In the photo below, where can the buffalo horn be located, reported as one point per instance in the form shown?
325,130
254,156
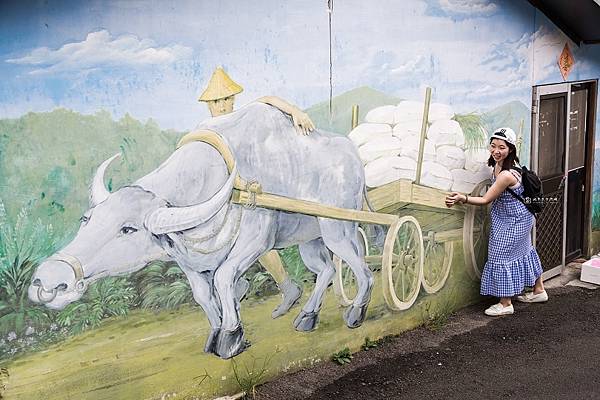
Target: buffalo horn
174,219
98,192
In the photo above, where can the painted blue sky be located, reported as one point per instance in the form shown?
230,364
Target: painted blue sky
153,58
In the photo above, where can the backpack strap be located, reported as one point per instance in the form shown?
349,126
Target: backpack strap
520,199
518,171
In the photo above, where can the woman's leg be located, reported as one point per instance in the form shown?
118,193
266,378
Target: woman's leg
504,307
538,295
539,286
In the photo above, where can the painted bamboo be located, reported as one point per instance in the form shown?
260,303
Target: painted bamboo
423,133
354,116
520,136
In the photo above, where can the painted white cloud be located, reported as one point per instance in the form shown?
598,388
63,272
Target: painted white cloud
419,63
100,49
548,43
532,59
443,48
466,74
510,59
437,43
461,9
473,7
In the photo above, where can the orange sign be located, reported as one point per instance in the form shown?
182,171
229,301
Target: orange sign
566,61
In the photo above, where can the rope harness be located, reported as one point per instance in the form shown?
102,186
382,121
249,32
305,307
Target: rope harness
253,187
194,243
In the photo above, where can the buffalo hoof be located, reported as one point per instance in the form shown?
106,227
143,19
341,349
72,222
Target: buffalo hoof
209,347
241,288
291,294
229,344
306,321
355,315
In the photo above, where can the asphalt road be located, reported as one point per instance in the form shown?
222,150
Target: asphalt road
543,351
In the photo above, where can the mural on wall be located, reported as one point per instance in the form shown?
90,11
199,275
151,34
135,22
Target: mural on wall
251,213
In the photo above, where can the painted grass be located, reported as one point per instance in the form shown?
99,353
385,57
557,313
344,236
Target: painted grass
148,355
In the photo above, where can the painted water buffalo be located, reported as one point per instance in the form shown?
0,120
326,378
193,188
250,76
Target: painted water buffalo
182,211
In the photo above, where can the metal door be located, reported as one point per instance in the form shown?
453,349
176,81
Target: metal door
548,145
561,143
578,135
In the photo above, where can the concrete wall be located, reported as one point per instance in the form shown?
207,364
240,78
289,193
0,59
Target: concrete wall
84,80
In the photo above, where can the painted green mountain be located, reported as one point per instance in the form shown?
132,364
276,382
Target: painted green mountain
510,115
47,160
341,118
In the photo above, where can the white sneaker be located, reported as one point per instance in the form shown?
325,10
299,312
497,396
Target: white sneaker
533,298
498,309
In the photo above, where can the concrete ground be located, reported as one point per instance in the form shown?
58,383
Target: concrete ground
544,351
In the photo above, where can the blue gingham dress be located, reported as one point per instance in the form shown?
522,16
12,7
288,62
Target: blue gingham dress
512,262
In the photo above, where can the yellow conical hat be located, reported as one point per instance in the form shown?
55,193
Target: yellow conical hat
220,86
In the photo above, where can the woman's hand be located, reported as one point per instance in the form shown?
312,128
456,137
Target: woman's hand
454,198
302,122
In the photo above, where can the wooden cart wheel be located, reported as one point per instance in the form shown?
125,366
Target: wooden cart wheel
476,230
344,282
438,259
402,264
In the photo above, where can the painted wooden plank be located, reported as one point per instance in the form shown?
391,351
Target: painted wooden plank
283,203
389,196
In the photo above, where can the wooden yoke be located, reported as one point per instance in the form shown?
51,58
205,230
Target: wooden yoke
218,142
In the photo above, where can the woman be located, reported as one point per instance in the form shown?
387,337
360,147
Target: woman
512,262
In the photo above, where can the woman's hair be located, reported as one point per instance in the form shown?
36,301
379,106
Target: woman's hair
511,160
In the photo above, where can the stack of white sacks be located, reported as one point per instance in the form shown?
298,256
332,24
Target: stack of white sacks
388,144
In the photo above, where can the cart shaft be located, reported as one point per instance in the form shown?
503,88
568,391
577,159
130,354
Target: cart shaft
283,203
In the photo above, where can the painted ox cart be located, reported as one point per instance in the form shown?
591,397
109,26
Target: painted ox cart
411,258
414,257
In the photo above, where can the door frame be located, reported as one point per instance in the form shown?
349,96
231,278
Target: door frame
565,88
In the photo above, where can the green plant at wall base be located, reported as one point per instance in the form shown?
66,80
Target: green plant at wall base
342,357
4,375
22,245
369,344
105,298
473,129
435,320
248,376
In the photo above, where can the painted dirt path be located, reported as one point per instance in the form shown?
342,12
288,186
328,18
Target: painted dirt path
544,351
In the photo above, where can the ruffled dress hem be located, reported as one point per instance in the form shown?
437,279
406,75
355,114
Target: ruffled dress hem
509,279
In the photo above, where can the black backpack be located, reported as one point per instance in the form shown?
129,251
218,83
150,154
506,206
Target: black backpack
533,195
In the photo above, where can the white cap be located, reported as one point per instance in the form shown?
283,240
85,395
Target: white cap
505,134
